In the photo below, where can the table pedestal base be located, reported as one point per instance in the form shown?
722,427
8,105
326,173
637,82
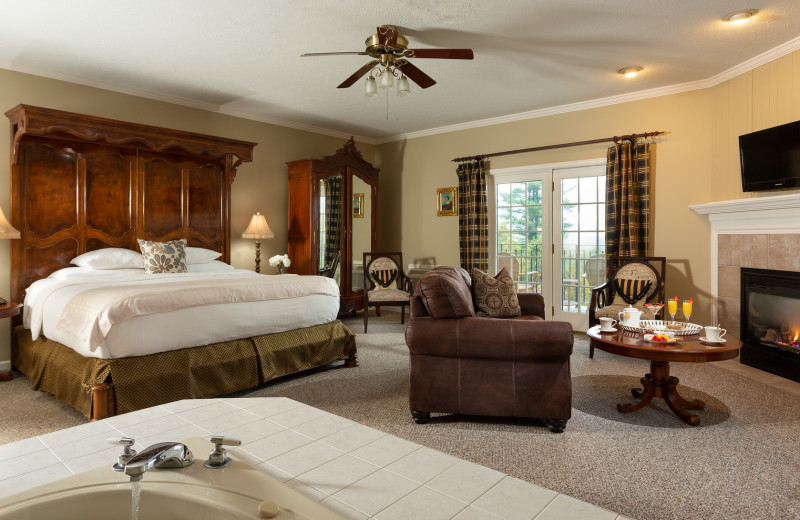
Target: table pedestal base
658,383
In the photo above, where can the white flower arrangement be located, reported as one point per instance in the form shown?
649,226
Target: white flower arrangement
280,263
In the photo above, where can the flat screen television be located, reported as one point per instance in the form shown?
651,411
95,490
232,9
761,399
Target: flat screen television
770,158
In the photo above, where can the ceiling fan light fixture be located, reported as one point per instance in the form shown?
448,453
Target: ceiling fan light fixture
402,87
740,16
387,79
630,72
371,88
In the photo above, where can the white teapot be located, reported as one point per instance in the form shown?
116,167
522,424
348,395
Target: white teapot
629,316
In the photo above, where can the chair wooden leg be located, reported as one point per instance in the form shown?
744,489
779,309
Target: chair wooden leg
591,351
366,317
402,314
378,311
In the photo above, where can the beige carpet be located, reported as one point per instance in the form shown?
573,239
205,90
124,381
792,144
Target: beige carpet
742,462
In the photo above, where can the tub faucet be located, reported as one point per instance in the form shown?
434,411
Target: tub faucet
161,455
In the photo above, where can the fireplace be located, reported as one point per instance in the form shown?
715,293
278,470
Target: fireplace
770,321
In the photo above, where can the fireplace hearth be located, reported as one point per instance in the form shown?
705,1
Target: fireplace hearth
770,321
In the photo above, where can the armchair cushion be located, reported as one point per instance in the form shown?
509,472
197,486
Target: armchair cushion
495,297
445,293
632,292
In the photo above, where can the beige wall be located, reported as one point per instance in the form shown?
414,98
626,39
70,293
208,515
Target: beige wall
260,185
695,162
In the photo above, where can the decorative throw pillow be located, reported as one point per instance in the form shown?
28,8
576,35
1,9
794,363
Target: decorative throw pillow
164,257
384,278
495,297
632,292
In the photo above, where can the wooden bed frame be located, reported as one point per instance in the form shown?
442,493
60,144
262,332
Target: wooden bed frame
81,183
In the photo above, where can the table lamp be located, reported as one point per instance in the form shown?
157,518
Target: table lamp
6,231
258,229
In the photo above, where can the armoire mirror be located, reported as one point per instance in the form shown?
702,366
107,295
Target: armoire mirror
333,210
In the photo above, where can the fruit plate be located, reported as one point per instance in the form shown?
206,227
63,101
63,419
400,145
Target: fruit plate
651,339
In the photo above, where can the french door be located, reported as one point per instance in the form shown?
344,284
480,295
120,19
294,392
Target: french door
549,231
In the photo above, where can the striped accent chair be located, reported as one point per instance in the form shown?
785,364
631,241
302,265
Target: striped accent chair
385,283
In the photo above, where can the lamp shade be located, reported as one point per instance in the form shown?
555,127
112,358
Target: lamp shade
371,89
258,228
402,86
387,80
6,229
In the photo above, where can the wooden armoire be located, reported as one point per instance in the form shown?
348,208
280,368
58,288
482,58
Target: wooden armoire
333,215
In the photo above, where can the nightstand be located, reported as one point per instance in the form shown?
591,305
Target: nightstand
8,310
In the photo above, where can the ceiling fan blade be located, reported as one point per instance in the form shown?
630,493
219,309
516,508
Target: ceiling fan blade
358,74
331,54
416,75
387,36
447,54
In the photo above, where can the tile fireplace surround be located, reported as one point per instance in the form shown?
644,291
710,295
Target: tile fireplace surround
761,232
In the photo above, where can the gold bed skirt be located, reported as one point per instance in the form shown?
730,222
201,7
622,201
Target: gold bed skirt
189,373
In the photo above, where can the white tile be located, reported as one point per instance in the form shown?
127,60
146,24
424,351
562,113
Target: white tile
269,406
253,431
564,506
376,492
515,499
296,416
422,503
352,438
274,445
77,433
337,474
324,426
385,450
85,446
343,510
222,423
305,458
272,471
20,448
472,513
154,427
33,479
179,434
422,465
186,404
139,416
306,490
93,460
465,481
208,411
27,463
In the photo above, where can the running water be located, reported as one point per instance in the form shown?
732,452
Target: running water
136,497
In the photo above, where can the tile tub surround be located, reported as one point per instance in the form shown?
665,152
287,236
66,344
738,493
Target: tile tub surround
359,472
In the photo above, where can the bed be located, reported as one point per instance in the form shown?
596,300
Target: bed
87,187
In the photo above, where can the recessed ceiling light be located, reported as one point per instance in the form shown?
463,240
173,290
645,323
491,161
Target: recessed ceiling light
740,16
630,72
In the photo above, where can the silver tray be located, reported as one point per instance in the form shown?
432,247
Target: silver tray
688,329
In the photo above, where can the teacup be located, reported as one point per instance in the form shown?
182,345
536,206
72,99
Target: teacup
630,316
715,333
607,324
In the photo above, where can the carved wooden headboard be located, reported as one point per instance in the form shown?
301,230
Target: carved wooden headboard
80,183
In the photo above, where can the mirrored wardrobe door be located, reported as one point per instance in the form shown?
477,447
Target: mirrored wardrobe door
362,229
331,222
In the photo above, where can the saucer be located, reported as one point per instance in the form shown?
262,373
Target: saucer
712,341
612,329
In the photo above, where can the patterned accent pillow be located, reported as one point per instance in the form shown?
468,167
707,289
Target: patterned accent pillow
495,297
632,292
164,257
384,278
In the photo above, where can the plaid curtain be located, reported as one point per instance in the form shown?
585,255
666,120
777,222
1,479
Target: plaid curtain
333,217
628,199
473,216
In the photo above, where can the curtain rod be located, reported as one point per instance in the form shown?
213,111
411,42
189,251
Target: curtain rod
562,145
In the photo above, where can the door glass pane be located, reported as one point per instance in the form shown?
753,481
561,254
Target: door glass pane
519,232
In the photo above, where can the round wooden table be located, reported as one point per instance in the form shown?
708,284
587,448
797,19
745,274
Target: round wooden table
8,310
658,383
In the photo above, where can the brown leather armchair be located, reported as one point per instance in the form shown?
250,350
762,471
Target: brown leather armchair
460,363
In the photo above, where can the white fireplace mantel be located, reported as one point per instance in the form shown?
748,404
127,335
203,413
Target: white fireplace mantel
778,214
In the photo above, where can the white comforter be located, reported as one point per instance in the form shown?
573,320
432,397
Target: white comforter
146,331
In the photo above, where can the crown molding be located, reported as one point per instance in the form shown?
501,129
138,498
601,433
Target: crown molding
176,100
737,70
746,66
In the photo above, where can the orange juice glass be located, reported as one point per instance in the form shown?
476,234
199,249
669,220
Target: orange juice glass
672,308
687,309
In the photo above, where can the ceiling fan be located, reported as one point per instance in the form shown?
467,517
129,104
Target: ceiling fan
390,51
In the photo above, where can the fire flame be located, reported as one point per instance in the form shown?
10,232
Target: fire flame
796,334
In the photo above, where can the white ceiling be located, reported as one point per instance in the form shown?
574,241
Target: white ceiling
243,56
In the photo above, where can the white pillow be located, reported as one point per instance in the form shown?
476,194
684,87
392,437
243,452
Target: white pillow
198,255
110,258
214,266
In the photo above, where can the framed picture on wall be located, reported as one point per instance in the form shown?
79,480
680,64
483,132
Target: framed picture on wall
446,201
358,205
